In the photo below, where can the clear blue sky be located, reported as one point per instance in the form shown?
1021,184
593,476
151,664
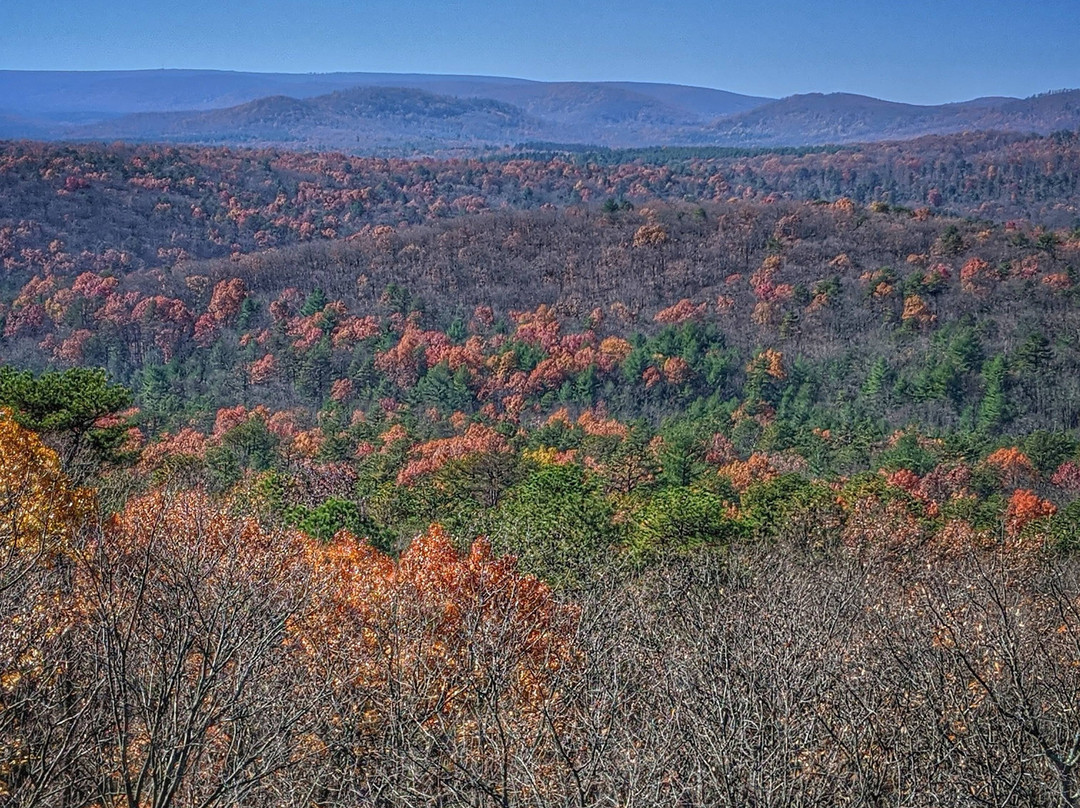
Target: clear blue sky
922,51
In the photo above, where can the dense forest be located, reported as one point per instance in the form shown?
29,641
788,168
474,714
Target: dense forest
564,478
154,206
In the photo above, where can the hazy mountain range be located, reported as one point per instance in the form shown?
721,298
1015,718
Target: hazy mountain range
409,113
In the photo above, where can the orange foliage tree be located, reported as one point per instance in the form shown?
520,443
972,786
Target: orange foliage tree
446,661
1024,508
429,457
1012,464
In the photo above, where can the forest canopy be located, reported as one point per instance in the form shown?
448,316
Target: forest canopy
651,478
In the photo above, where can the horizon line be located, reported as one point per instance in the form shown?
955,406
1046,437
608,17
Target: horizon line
524,79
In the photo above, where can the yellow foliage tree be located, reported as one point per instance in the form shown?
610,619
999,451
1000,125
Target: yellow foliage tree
40,513
39,508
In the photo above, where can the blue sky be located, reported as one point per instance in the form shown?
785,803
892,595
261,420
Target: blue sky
905,50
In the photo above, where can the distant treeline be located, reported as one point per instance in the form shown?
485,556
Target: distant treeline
583,154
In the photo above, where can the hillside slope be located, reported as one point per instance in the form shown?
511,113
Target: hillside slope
364,118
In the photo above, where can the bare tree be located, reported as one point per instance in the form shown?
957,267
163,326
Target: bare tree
203,699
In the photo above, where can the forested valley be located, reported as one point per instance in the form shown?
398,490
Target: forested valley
560,478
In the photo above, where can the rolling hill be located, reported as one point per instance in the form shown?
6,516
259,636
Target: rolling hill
818,118
65,97
363,118
421,113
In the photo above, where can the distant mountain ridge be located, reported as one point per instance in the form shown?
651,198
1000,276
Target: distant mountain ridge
818,118
376,117
423,113
59,95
